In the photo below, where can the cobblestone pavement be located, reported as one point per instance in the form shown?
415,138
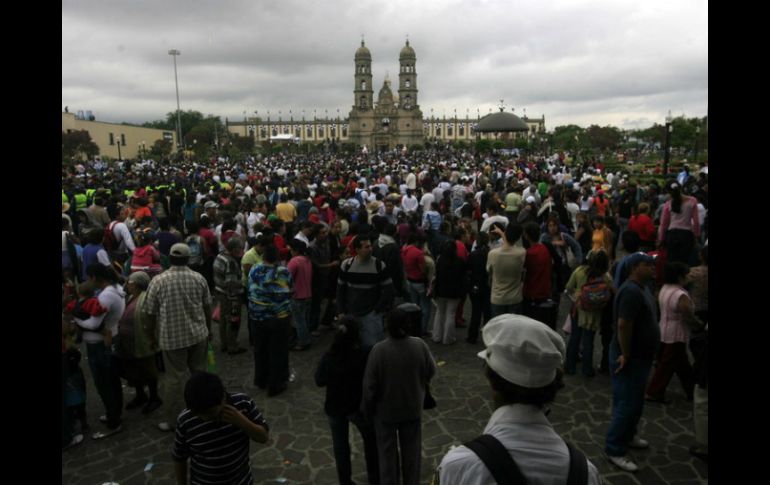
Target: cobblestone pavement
300,450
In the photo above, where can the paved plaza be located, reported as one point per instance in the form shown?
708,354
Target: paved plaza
300,448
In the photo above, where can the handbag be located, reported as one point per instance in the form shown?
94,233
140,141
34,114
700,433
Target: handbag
571,259
429,402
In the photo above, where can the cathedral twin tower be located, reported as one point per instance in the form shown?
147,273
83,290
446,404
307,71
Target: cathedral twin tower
390,121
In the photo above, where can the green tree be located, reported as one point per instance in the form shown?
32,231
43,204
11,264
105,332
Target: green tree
564,137
161,148
604,138
77,143
483,145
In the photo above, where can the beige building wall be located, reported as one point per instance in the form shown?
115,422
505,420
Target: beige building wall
132,139
308,131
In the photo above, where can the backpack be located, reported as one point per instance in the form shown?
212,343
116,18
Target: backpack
196,250
109,241
504,469
594,295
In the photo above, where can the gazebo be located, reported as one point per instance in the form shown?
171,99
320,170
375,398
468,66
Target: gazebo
503,123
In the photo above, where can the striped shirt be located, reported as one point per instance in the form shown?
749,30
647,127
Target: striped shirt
179,298
364,287
219,451
270,289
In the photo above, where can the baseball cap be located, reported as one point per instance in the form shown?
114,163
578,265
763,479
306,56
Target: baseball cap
522,351
139,278
180,250
640,257
210,205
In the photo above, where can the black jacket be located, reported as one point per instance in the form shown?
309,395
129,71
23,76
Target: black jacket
343,378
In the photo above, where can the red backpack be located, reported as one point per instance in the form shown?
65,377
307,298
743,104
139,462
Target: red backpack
594,295
110,242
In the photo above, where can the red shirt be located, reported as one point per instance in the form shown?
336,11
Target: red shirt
212,247
643,226
301,270
280,244
414,263
537,280
462,251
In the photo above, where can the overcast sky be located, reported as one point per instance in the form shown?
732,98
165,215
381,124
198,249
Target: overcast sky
616,62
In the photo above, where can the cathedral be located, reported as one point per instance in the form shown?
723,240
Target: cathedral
391,121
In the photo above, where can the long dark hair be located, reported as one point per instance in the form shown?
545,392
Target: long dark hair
676,198
598,263
346,339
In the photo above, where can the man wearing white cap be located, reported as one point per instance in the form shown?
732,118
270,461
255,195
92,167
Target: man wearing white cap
524,361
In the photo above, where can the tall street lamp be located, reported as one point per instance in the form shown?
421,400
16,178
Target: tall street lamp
697,138
174,53
667,154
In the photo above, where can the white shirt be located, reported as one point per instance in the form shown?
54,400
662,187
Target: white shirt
301,236
123,236
113,299
411,181
540,453
426,201
409,204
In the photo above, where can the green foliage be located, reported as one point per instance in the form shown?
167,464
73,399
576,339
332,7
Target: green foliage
564,137
483,145
77,143
603,138
460,145
521,143
498,144
161,148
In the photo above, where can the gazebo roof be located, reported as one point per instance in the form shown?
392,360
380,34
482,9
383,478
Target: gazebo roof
501,122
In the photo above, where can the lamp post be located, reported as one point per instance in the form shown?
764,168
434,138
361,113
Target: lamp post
667,153
697,139
119,157
174,53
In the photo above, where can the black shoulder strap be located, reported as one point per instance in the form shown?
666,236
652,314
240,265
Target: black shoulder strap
578,467
497,459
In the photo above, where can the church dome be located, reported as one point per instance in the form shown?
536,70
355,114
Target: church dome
407,52
363,53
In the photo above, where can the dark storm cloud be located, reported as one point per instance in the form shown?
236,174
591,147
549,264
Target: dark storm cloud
576,62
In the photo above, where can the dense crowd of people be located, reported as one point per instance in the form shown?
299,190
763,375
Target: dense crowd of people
336,243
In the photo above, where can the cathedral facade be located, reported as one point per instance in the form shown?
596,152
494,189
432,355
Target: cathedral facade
391,121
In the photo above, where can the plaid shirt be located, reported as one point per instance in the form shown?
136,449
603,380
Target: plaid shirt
179,298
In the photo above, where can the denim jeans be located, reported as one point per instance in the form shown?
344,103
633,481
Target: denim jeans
587,337
340,426
371,329
106,381
627,401
418,296
300,310
518,309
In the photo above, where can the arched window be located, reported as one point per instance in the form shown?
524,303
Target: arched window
275,131
363,102
363,85
320,131
408,83
449,130
309,131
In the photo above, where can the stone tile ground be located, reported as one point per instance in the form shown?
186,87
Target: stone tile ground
300,451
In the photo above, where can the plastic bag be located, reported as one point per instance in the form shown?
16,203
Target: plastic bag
211,363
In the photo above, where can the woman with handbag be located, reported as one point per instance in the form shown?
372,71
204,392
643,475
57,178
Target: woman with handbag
566,247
